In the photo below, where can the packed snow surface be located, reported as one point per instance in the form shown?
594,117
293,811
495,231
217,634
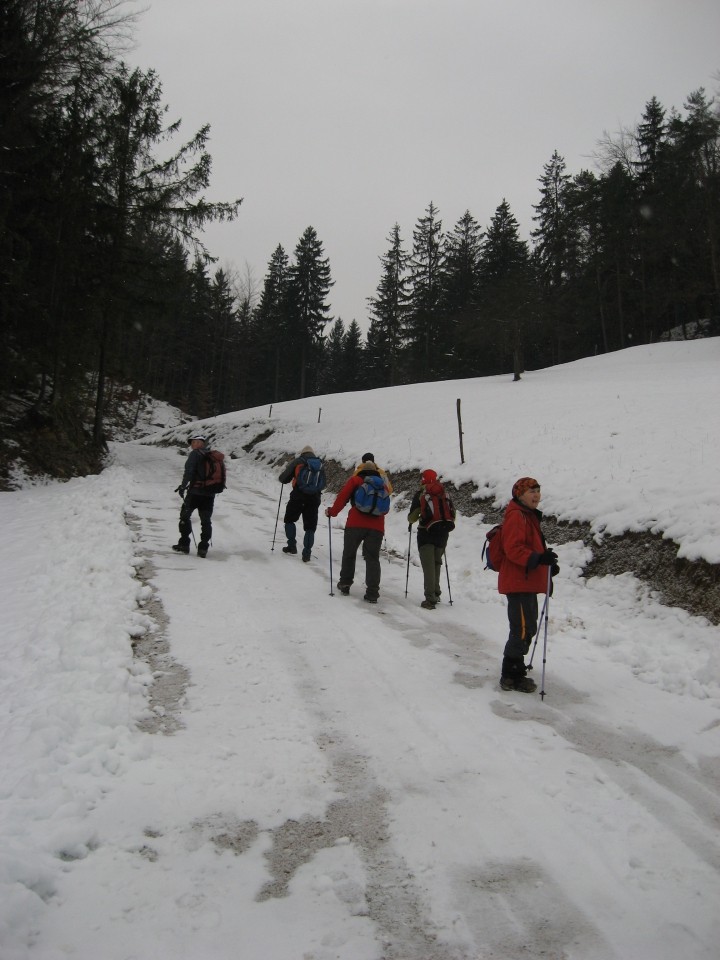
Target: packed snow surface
281,772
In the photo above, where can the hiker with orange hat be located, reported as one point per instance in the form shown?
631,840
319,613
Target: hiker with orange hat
522,576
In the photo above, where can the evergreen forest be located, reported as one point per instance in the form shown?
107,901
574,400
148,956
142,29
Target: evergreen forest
105,282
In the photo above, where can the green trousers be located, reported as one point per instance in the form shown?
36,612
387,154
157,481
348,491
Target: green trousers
431,557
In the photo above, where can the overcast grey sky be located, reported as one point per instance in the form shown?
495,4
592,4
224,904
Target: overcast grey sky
352,115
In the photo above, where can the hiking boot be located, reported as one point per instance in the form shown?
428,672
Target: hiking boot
371,597
290,548
523,684
344,588
306,558
526,685
202,549
181,547
428,604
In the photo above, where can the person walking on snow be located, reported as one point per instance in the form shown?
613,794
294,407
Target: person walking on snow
195,498
303,503
522,576
367,529
433,532
370,458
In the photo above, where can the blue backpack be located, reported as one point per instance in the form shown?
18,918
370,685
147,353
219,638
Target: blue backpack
310,477
372,497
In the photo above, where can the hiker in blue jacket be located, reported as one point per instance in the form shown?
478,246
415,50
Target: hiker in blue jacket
304,499
195,498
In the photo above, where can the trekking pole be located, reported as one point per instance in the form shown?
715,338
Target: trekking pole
447,574
537,632
407,575
542,682
330,551
276,520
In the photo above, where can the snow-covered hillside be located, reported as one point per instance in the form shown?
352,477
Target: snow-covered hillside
347,781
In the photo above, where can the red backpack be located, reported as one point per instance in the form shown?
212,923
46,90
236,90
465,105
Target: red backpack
214,479
436,507
493,552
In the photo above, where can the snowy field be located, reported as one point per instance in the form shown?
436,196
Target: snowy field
300,776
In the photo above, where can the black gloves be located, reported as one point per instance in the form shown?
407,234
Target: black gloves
548,559
180,490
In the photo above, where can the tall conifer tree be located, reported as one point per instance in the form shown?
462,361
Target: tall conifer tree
272,323
425,331
461,286
507,289
310,283
388,310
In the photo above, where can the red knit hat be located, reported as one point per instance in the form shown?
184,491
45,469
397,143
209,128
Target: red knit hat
523,484
428,476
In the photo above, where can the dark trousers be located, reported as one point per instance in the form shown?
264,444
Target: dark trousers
307,508
522,611
204,505
371,541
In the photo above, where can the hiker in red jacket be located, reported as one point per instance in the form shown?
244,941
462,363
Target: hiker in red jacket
523,575
363,528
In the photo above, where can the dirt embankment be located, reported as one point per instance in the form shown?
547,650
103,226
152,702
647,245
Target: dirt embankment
692,585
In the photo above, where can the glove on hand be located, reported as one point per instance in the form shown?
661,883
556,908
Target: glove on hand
554,569
180,490
548,558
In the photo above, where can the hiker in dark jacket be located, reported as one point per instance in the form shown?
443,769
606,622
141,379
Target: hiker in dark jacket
360,528
522,576
195,498
432,537
305,505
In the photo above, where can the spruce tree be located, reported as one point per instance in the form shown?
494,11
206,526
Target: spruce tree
388,311
461,287
425,329
309,285
555,255
272,321
508,304
333,368
352,353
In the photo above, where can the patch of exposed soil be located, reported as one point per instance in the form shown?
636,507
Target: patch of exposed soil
170,678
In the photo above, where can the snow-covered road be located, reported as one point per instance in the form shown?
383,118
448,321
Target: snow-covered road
280,774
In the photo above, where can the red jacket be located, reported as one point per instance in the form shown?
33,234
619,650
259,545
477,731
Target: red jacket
355,518
521,538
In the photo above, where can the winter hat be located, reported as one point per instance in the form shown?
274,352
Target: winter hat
428,476
307,451
368,457
198,436
523,484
